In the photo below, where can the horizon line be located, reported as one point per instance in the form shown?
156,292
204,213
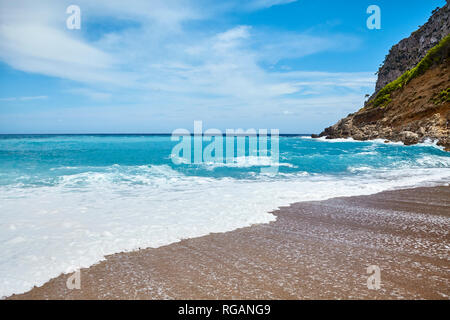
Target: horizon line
124,133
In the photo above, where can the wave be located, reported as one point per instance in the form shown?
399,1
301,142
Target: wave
50,230
238,162
248,162
423,162
426,143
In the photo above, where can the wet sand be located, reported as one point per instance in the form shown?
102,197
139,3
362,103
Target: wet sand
315,250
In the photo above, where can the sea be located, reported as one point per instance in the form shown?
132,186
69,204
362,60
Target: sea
67,201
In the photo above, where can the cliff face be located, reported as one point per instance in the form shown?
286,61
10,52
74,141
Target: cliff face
407,53
410,105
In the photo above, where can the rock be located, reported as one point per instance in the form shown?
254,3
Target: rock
422,131
409,138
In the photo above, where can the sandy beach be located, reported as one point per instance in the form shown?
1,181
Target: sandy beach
314,250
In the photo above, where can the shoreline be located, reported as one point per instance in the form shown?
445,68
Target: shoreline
314,250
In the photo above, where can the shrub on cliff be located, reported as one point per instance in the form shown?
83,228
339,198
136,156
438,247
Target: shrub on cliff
434,56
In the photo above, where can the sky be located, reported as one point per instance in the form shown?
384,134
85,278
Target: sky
153,66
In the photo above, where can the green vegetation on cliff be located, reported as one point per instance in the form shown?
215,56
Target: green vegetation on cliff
434,56
443,96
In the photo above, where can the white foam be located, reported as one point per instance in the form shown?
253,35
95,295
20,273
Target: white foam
368,153
377,141
431,143
423,162
238,162
433,161
426,143
46,231
247,162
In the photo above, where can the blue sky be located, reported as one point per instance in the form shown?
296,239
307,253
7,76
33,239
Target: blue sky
154,66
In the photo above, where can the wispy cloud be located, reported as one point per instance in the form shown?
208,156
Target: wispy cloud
259,4
24,98
92,94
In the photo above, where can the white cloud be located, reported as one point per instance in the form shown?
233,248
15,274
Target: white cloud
33,38
24,98
41,49
92,94
263,4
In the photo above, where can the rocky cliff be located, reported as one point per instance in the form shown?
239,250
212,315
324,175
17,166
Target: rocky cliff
407,53
412,100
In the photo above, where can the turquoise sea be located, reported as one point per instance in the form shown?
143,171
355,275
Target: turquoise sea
66,201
